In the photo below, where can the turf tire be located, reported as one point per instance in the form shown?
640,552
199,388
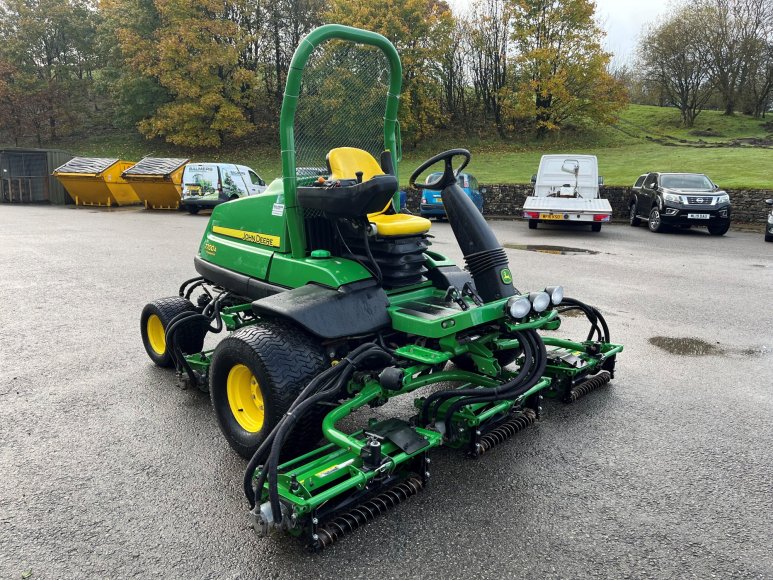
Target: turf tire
190,337
283,359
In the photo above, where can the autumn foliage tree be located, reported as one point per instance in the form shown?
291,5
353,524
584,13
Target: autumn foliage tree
562,68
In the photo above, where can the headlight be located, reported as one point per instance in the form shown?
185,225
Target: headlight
556,294
770,219
724,198
672,197
539,301
518,306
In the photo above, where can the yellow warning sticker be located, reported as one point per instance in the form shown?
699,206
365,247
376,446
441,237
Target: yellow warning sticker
253,237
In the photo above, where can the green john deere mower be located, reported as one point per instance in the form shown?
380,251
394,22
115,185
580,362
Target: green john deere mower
334,302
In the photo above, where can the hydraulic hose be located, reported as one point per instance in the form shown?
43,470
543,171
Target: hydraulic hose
439,396
328,383
592,314
512,389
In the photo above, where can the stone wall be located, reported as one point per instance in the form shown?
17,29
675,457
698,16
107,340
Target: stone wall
507,200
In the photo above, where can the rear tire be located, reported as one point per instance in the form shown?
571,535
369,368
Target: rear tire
633,219
533,224
595,227
153,324
257,372
656,223
719,229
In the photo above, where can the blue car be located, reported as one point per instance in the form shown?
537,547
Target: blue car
432,204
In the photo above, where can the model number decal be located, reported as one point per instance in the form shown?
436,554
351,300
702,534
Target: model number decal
253,237
210,249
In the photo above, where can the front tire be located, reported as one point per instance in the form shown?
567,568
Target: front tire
633,219
155,319
769,237
656,222
533,224
256,374
719,229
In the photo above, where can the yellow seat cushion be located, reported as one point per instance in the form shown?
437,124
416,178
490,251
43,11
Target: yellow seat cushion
345,162
399,224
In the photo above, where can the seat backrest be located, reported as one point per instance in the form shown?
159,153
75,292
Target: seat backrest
345,162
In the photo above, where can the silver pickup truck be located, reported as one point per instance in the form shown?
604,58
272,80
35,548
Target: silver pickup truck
566,191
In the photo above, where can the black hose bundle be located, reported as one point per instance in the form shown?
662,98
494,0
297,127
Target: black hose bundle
210,313
327,386
535,361
598,323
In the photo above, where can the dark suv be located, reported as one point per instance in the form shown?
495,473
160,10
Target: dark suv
680,199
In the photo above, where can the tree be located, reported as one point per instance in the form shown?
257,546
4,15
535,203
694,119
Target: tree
677,60
489,58
51,46
563,70
731,31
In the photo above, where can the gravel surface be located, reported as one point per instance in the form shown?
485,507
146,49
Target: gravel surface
108,470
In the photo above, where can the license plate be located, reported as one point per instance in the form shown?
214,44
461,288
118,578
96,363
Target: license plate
551,216
698,216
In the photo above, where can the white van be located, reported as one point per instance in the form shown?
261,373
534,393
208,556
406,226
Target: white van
206,185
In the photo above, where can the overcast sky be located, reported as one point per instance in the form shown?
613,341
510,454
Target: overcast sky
623,21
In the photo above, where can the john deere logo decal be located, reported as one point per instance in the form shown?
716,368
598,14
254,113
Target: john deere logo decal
506,276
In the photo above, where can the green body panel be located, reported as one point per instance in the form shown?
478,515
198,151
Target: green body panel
266,257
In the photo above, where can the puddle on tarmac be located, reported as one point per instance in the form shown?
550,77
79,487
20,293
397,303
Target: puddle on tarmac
696,347
575,313
543,249
686,346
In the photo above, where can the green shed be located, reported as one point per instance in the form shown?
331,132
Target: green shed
25,176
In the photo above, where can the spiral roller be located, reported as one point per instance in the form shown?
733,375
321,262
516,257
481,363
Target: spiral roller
347,522
506,430
586,387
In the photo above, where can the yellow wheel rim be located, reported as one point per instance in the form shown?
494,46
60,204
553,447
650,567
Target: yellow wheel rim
245,398
156,335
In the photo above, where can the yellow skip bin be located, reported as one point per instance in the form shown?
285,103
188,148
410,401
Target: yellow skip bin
157,181
97,181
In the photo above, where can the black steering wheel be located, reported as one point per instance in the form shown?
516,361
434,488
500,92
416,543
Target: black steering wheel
449,174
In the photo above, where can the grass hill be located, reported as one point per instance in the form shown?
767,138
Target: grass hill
736,152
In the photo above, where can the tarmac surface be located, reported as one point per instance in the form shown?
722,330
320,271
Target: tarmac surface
109,470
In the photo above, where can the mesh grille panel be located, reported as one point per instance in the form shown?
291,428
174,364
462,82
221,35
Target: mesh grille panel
342,102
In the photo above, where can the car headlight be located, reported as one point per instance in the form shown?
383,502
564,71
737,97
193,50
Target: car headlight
539,301
556,294
724,198
518,306
672,197
770,219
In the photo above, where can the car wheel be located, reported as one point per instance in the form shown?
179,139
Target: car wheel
192,209
533,224
595,227
633,219
720,228
769,237
656,223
